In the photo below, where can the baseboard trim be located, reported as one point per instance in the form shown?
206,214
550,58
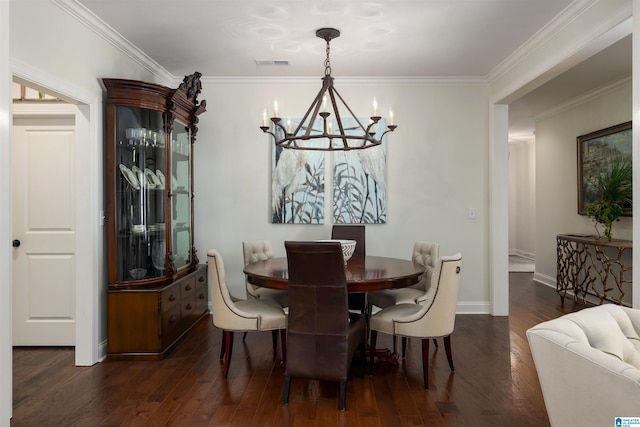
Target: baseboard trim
523,254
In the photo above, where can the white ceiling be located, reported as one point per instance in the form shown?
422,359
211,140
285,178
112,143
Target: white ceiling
391,38
379,38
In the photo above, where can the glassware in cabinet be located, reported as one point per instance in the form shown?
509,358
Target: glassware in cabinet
181,195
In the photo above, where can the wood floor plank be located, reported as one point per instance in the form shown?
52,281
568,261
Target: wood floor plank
495,382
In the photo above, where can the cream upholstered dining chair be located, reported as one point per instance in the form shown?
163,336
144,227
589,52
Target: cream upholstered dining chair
433,316
232,315
425,254
260,250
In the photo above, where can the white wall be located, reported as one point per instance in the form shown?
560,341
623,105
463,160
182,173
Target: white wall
63,56
437,169
46,36
556,172
522,218
6,355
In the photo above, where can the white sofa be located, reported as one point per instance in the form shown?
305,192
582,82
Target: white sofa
588,364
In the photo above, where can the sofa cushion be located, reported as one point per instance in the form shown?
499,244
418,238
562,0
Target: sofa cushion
609,330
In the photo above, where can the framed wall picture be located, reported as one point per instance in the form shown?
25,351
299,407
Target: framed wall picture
597,152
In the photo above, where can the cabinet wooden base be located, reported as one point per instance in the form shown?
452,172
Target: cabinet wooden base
206,317
146,324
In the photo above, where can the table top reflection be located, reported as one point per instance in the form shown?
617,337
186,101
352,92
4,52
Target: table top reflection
364,274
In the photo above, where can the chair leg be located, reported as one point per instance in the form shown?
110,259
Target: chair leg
395,347
404,347
228,345
447,347
222,349
435,341
287,386
244,336
425,362
283,345
342,405
274,341
372,350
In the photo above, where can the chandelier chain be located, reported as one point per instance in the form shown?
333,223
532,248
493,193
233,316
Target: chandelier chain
327,62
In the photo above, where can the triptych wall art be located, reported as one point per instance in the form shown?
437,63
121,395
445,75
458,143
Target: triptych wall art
358,179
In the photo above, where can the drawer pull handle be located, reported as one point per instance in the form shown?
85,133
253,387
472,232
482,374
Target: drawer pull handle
172,297
188,287
188,307
201,279
201,296
172,319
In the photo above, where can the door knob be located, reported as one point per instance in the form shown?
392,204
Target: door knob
15,243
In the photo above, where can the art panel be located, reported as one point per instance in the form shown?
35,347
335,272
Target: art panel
297,184
359,181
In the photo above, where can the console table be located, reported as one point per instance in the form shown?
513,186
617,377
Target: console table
587,265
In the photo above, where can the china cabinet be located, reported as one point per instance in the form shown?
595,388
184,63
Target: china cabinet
156,289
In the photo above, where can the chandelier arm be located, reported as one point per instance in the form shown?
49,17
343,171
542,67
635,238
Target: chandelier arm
326,83
315,103
338,118
386,132
374,120
282,128
268,131
350,112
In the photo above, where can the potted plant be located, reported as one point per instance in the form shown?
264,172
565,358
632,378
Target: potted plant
616,195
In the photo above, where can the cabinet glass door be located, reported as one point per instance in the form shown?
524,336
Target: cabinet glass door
181,195
140,196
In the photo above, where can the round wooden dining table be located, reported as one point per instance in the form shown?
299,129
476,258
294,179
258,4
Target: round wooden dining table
364,274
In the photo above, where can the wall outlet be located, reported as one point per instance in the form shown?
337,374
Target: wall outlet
472,213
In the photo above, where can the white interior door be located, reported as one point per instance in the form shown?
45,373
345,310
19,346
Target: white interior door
44,223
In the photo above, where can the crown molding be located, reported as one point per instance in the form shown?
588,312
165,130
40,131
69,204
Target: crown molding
352,81
564,18
62,89
586,97
555,26
102,29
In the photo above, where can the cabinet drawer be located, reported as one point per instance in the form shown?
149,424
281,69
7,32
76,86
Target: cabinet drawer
188,309
187,287
202,300
202,291
201,278
170,298
171,325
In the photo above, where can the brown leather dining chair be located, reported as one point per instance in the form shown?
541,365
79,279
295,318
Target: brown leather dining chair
322,336
357,301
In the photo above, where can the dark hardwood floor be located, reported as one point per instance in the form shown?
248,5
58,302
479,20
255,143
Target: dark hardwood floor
495,382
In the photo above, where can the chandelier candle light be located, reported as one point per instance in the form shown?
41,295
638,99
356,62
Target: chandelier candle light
362,137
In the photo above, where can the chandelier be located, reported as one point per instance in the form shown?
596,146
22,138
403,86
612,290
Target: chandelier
353,135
